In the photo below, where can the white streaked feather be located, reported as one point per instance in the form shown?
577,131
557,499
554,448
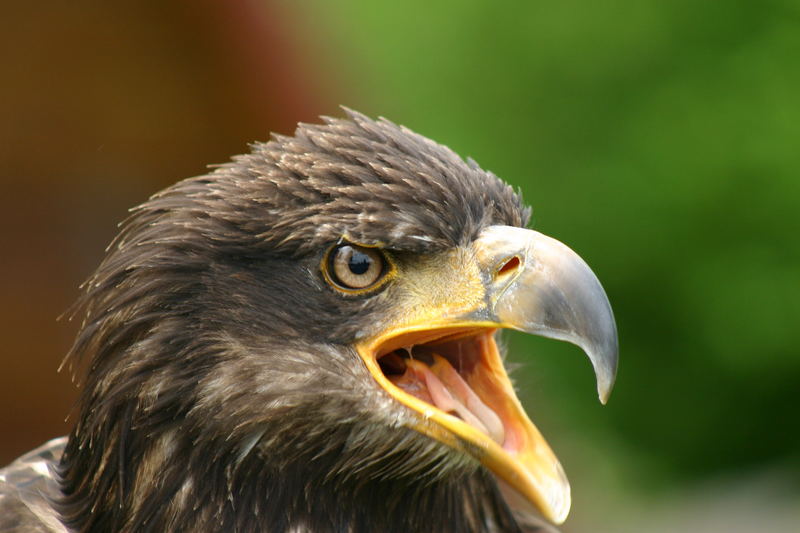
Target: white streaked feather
26,489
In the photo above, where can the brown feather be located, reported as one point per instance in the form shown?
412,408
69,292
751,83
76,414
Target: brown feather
223,393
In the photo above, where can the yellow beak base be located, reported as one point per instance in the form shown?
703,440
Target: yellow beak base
522,459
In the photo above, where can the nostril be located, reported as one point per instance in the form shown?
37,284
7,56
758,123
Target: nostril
511,265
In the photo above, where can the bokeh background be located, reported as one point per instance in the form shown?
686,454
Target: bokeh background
661,140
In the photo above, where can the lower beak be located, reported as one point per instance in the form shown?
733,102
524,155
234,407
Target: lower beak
445,365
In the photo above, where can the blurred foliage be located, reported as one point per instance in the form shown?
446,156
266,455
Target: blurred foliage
658,139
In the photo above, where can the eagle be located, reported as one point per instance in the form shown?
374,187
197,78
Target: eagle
305,340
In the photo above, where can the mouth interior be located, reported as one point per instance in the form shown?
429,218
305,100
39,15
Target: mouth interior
444,370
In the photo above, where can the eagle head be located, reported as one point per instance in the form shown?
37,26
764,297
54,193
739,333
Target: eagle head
304,339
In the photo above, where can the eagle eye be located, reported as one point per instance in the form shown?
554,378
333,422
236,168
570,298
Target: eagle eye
350,267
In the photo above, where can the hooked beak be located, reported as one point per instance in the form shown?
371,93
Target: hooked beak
440,358
552,293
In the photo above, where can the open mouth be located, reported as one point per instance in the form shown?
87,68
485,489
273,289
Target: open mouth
439,358
448,370
454,378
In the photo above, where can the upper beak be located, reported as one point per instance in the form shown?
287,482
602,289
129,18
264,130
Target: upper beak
538,285
442,344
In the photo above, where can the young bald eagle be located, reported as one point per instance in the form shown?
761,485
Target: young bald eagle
303,340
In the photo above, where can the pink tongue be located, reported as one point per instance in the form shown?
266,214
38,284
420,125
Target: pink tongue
447,390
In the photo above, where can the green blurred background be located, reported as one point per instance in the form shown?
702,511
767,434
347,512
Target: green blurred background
661,140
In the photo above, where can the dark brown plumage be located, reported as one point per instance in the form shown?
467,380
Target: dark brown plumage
224,392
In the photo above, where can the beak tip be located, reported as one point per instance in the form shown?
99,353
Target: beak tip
605,381
603,395
605,357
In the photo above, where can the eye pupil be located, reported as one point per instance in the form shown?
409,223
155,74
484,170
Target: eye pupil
359,263
352,267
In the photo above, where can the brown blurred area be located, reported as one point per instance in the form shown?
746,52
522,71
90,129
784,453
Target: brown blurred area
100,107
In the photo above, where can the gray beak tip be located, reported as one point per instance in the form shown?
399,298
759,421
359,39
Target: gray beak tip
604,392
604,360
